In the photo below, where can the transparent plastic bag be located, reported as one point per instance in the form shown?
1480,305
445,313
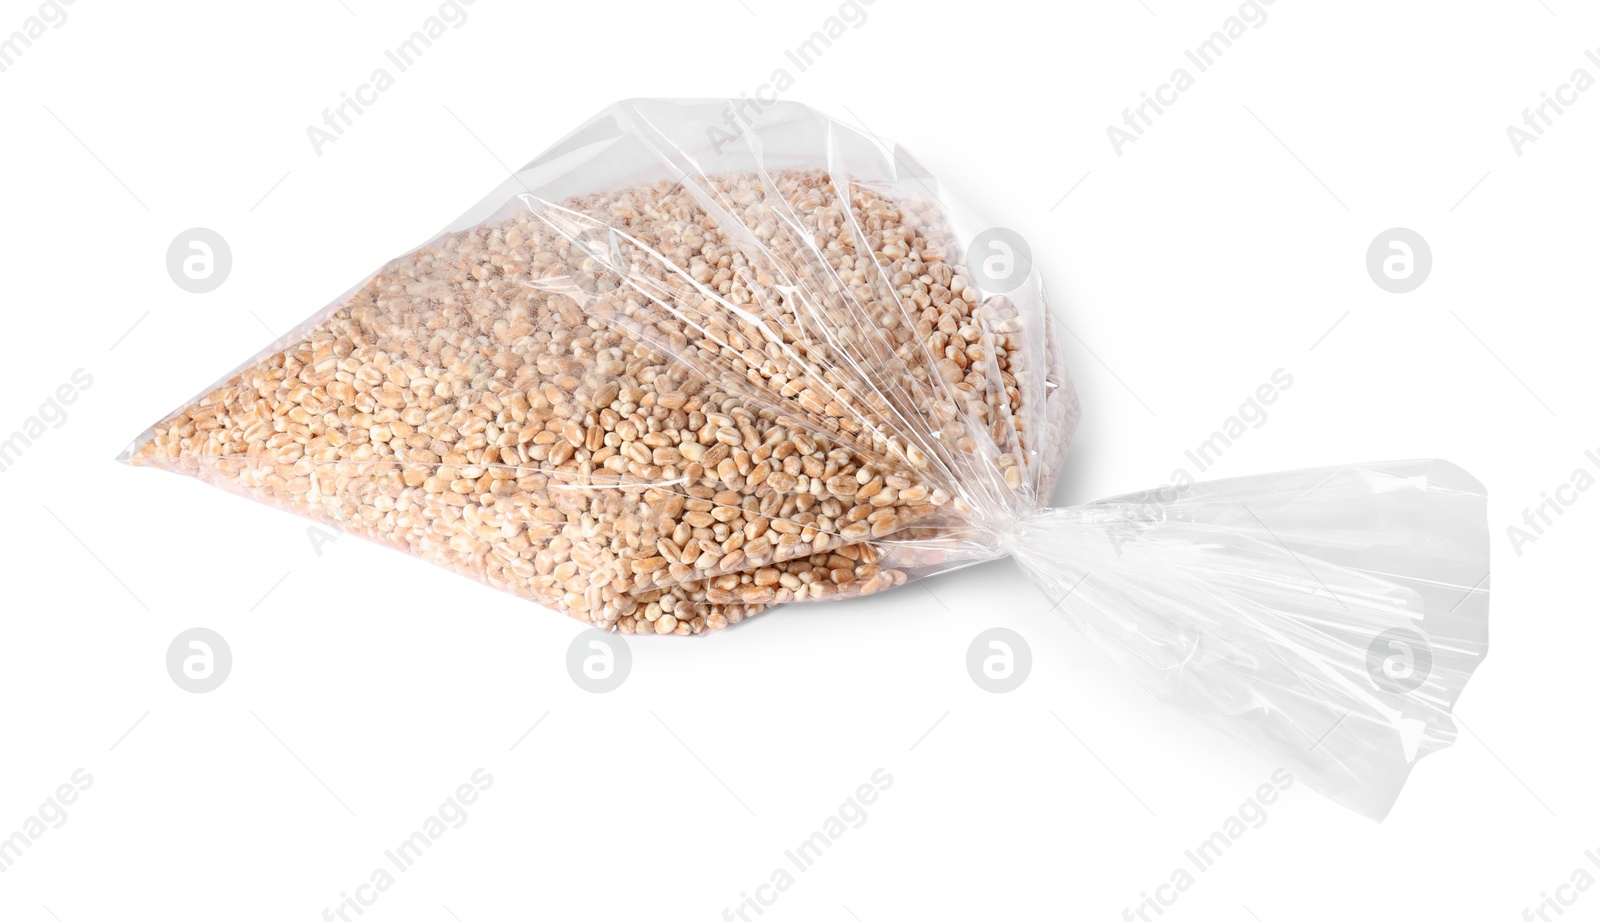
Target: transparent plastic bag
701,358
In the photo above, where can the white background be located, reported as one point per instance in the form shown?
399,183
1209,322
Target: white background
366,686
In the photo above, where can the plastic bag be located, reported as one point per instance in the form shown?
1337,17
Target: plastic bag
702,358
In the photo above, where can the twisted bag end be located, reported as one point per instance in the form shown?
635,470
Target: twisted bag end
1328,616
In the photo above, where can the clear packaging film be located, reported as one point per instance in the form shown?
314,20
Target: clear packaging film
705,357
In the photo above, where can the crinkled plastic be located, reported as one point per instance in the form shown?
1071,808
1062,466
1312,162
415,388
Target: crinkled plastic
701,358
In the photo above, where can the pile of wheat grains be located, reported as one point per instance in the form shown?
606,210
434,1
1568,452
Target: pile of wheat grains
663,408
